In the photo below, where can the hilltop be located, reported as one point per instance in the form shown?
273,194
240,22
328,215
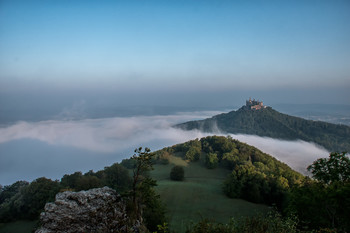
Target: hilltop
256,119
212,187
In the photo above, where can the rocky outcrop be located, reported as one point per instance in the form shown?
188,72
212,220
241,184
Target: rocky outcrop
95,210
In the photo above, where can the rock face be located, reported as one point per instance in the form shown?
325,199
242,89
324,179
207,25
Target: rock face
95,210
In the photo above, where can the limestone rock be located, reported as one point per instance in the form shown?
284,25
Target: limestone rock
95,210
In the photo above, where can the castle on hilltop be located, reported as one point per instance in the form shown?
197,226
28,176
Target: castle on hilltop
254,104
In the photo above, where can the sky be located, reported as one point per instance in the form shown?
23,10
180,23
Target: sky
175,52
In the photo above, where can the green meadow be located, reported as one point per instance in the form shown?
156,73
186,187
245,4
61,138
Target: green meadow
199,196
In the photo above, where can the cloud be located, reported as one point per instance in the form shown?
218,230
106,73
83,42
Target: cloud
104,135
297,154
59,147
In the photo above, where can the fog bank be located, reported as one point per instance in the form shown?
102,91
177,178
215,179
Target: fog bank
54,148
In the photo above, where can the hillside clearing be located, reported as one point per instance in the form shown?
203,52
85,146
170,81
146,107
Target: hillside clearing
199,196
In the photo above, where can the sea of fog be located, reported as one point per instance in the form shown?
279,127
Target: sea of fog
29,150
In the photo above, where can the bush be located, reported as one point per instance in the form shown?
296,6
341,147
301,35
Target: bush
177,173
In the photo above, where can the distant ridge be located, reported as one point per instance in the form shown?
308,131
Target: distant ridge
257,119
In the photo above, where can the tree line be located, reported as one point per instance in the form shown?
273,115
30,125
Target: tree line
25,201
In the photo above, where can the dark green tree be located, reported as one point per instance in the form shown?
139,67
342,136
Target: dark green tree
230,159
324,203
145,203
128,163
30,200
177,173
142,164
333,169
87,182
8,197
9,191
71,181
34,196
211,160
193,153
153,210
117,177
77,181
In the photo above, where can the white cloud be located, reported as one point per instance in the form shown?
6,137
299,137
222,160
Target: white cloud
297,154
104,135
112,139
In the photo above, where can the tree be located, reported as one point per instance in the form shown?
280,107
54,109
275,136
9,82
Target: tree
142,164
128,163
71,181
87,182
29,200
8,197
145,202
193,153
332,169
230,159
9,191
117,177
34,196
152,209
177,173
328,195
211,160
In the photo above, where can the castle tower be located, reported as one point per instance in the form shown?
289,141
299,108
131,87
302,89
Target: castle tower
254,104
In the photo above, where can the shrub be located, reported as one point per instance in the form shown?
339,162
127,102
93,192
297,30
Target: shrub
177,173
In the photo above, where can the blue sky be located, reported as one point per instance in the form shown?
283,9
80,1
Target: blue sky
177,46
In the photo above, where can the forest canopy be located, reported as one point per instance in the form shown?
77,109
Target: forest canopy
271,123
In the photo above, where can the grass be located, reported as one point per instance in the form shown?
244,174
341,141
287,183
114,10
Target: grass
199,196
18,227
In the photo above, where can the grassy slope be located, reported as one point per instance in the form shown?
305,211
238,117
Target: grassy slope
199,196
18,227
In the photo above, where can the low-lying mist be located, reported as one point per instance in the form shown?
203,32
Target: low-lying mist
54,148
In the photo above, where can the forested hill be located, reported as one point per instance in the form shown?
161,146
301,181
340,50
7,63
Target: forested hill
271,123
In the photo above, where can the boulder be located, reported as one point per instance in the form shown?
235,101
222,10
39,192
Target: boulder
95,210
